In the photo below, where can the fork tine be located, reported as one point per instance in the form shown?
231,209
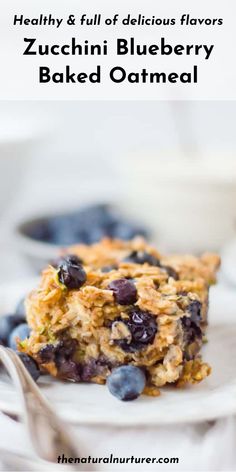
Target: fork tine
48,433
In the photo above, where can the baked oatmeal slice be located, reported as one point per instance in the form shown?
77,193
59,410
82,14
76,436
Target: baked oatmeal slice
119,303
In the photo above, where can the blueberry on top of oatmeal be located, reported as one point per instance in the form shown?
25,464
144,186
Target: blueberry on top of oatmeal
108,268
170,271
124,291
72,259
71,273
142,257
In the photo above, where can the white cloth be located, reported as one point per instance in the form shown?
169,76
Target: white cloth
203,447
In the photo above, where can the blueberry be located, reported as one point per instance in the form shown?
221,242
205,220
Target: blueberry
7,324
30,365
62,350
61,232
194,309
66,348
68,369
94,215
90,370
20,309
71,274
124,290
142,257
86,225
90,224
126,382
71,259
108,268
143,328
47,353
95,367
95,234
63,358
191,324
62,354
126,231
40,230
21,331
192,330
170,271
81,236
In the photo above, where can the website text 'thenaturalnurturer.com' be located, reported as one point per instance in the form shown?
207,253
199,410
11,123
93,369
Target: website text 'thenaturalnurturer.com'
117,460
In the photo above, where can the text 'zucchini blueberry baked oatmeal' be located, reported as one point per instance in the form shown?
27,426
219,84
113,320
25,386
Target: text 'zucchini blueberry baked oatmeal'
120,311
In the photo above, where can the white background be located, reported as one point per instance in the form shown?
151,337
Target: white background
86,142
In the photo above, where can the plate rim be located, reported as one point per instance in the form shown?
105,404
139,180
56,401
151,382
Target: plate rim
127,422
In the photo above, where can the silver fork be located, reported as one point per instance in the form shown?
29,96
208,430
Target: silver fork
49,434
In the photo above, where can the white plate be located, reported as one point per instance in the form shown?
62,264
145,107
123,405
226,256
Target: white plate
92,404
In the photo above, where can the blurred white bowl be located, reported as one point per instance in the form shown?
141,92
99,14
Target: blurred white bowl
14,154
37,253
190,204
